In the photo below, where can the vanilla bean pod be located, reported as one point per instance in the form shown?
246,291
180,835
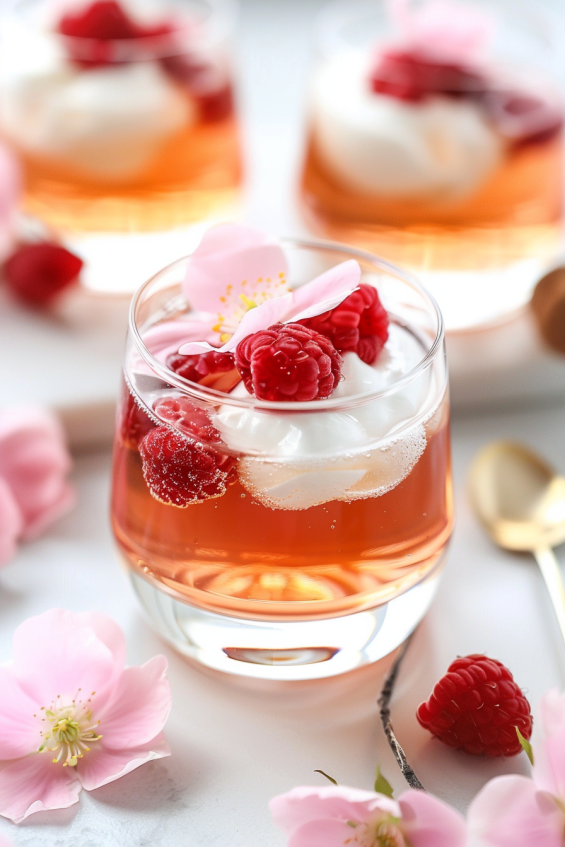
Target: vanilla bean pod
384,705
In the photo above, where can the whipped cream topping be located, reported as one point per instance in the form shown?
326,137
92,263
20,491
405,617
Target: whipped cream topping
106,122
377,144
310,458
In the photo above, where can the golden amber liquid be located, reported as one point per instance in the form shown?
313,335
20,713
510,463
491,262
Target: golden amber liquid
516,214
194,175
234,556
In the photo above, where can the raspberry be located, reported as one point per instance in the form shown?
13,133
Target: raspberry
214,370
410,77
476,708
180,471
38,273
358,324
288,362
522,118
185,416
135,423
102,22
214,103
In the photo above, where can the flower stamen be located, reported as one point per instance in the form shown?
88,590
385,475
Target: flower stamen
71,731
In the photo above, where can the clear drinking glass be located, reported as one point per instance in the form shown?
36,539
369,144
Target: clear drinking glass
127,142
447,161
306,565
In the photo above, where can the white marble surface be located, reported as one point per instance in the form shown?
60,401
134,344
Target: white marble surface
234,744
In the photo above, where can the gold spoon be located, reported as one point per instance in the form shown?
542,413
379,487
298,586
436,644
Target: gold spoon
520,501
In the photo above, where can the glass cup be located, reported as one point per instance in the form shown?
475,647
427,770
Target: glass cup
300,564
442,157
129,142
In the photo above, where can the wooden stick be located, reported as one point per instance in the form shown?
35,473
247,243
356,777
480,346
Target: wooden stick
384,705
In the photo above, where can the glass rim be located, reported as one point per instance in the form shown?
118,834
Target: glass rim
217,23
215,397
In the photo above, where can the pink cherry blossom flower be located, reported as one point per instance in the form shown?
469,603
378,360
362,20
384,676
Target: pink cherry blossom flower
34,463
71,715
447,29
236,283
335,816
516,811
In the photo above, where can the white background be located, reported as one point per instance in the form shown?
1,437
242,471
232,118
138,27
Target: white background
236,744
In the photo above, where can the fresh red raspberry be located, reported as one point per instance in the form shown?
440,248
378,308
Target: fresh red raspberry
180,471
522,118
215,103
214,370
38,273
358,324
288,362
411,77
190,419
476,708
135,423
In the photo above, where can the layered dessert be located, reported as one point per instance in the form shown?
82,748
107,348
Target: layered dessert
432,149
282,447
123,116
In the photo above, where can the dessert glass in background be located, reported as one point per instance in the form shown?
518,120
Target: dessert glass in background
435,139
318,544
123,115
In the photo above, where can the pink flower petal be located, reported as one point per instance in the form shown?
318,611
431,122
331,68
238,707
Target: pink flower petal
509,812
139,707
101,766
164,339
230,254
326,833
549,764
340,803
19,729
33,784
4,841
11,523
34,462
427,822
444,28
551,712
57,653
325,292
108,631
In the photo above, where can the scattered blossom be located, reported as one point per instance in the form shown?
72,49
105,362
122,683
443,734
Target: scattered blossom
335,816
34,463
518,811
72,716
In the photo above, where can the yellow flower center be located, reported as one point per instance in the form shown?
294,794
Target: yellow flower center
68,732
235,303
382,832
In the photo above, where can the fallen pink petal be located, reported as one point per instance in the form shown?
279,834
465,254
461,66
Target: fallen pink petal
337,815
72,716
34,465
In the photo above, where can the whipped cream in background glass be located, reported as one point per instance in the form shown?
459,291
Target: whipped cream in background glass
452,168
122,136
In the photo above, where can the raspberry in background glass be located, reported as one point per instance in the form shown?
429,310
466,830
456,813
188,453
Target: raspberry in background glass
123,115
282,490
435,138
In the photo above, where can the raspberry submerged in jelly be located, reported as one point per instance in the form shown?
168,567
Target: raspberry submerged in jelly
359,324
288,362
476,708
190,419
180,471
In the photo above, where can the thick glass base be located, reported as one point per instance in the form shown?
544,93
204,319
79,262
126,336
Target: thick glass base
286,650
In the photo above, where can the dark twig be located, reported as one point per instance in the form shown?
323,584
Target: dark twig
384,704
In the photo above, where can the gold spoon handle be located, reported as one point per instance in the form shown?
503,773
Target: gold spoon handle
549,567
